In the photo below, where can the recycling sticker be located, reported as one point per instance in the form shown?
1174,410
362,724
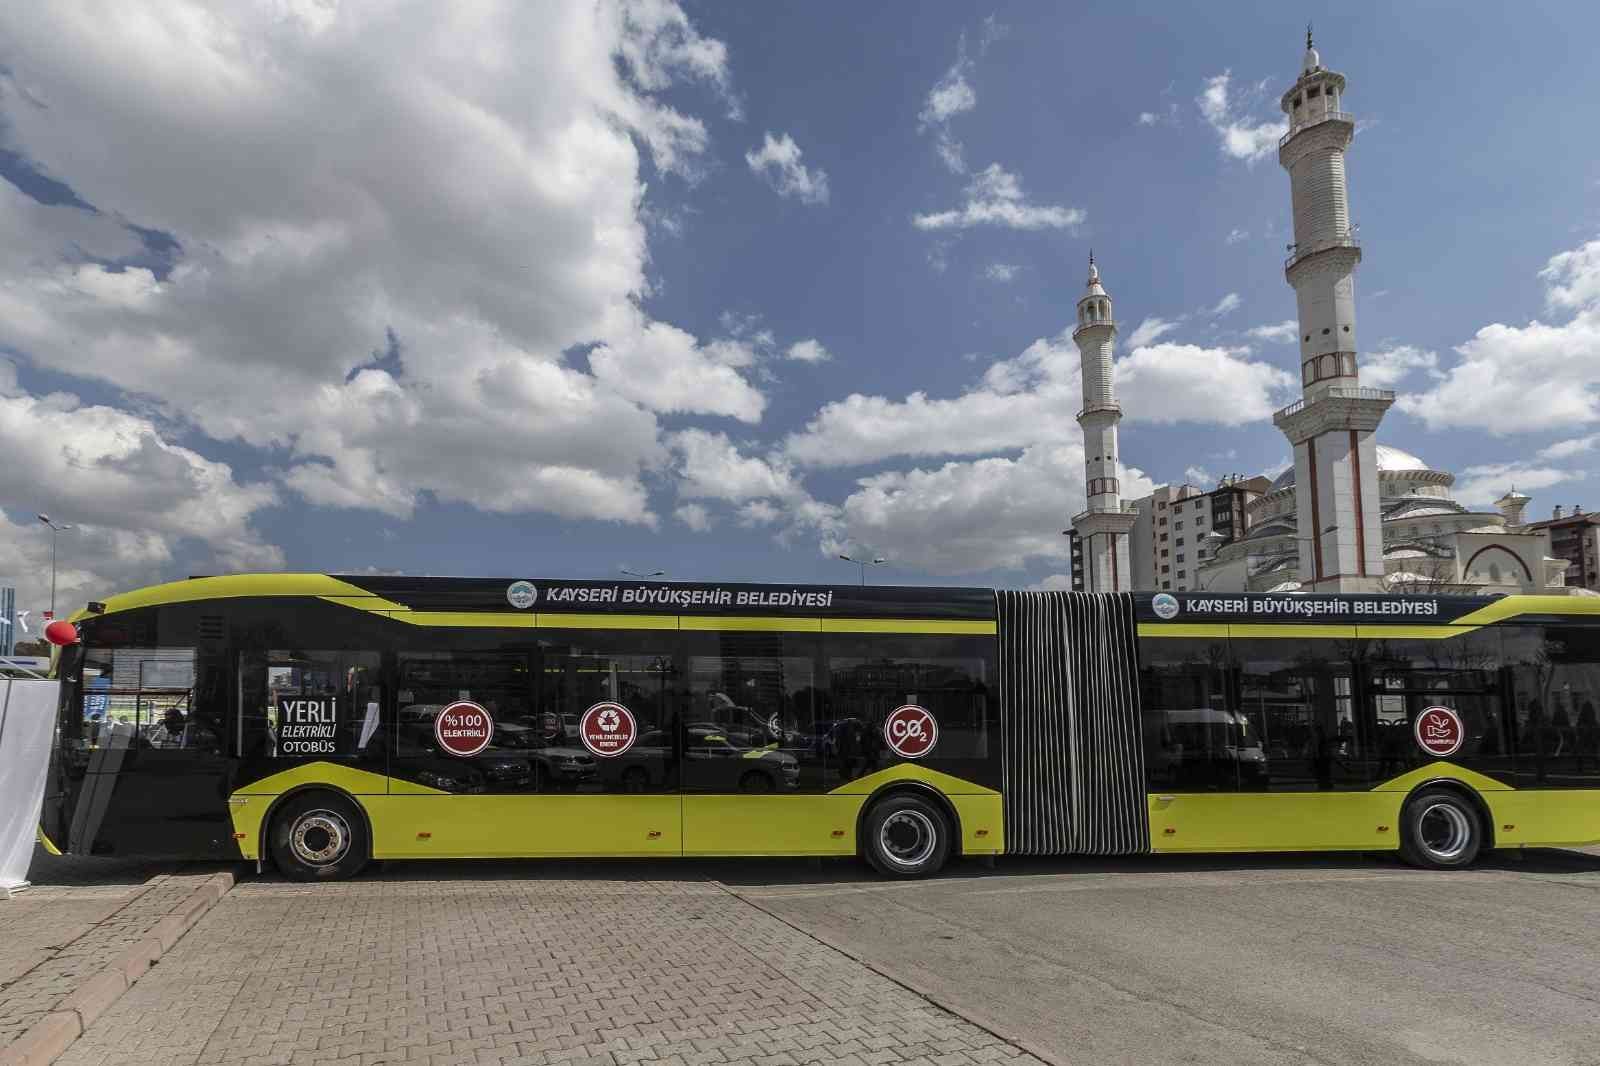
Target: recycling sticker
608,729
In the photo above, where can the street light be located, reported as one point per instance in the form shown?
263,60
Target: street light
636,573
55,529
876,560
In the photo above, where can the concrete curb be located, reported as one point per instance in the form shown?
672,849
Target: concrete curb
50,1037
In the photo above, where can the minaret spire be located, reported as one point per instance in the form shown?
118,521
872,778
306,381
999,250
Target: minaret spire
1103,526
1331,428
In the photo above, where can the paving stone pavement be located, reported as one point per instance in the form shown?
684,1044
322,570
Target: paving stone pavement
71,942
577,970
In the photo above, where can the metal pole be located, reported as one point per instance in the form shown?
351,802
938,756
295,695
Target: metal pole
53,535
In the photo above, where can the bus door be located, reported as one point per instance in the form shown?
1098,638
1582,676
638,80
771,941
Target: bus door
147,764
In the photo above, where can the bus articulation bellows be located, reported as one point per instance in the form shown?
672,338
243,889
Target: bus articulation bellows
322,721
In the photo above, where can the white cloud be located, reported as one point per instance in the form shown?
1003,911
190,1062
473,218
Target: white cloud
1282,333
1236,235
1149,331
759,513
366,230
1019,402
985,514
1028,400
663,368
1148,118
778,161
712,467
1480,486
695,516
1187,383
1528,378
1566,449
1052,583
1386,369
808,351
950,96
140,504
1199,475
1000,272
1573,278
994,198
1223,306
1241,137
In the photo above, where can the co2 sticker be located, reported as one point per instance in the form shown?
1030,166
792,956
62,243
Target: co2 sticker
910,731
607,729
1439,731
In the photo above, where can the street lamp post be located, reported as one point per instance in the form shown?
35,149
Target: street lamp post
56,528
876,560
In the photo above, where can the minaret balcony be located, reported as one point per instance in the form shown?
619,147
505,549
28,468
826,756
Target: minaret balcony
1315,120
1336,407
1098,323
1311,248
1095,408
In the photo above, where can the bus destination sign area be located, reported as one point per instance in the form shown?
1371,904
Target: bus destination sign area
1194,607
676,597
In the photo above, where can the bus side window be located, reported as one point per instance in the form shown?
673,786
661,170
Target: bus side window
1551,708
1298,701
1187,723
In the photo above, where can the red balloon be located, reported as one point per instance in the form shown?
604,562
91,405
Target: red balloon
61,631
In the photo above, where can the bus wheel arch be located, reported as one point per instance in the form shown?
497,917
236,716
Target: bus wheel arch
931,798
331,797
1444,824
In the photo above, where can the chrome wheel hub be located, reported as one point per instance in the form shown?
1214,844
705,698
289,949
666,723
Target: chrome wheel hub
908,838
319,838
1444,830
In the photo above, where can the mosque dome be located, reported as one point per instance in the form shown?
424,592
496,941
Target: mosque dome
1391,460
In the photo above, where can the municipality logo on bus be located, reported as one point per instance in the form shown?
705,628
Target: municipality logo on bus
522,595
1165,605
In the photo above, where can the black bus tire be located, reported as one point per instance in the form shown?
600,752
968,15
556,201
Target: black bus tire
1440,830
319,836
906,837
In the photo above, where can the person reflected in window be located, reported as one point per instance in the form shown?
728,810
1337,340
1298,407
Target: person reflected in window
170,732
1588,734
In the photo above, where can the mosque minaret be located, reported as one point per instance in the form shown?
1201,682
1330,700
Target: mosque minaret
1332,426
1104,525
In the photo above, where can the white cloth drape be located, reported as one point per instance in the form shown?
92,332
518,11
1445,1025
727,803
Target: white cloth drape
27,722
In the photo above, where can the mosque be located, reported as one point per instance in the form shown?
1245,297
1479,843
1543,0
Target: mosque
1350,514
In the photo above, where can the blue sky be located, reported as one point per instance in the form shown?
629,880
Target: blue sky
727,289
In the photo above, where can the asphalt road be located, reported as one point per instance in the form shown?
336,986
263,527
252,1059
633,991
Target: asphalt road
1292,959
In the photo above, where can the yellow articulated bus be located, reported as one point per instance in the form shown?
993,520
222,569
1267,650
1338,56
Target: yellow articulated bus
323,721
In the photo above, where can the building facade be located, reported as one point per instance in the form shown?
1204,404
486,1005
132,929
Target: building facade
1575,539
1429,541
1103,526
1180,527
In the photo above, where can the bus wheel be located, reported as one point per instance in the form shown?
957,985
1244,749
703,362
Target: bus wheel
319,836
906,836
1440,830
